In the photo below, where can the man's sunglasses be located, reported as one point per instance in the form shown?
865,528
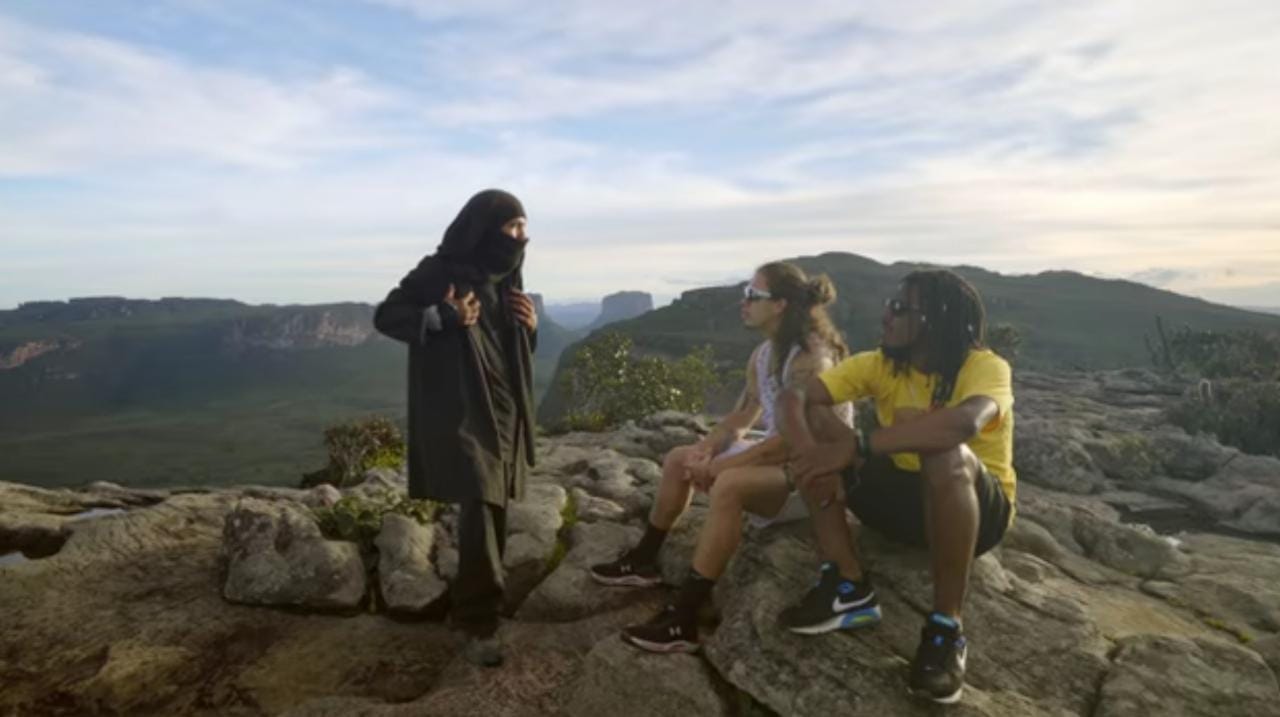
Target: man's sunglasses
898,307
751,294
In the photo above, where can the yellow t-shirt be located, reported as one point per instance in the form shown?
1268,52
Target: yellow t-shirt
870,375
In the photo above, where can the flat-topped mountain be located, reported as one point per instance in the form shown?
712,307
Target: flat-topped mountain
621,306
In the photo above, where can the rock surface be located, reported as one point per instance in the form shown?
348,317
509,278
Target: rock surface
619,680
1171,675
277,556
407,576
114,599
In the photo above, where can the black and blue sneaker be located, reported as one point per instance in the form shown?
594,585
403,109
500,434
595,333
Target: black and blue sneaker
937,672
834,603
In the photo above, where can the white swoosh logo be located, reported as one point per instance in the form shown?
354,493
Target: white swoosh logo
838,606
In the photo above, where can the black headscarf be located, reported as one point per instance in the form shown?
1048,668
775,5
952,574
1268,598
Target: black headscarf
475,244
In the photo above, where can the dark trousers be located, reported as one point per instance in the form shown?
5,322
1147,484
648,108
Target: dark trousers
476,595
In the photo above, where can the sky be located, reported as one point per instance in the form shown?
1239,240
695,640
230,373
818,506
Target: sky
307,152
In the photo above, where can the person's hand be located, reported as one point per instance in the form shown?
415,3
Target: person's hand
467,306
698,453
826,489
717,466
820,460
522,307
700,474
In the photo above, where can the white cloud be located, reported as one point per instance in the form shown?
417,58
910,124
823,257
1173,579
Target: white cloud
79,103
1103,137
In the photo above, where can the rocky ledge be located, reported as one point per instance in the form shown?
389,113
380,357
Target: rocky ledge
233,603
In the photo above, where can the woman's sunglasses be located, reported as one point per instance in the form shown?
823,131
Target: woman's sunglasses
751,294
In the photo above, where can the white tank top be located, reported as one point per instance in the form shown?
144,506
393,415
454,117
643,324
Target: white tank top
768,388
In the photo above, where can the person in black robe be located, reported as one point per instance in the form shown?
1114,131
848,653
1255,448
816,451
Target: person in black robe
471,332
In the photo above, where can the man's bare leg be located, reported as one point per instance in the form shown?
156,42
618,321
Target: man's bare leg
952,518
674,491
831,529
638,566
759,489
843,597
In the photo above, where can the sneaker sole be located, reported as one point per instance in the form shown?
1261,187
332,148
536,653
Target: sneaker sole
950,699
627,581
665,648
865,617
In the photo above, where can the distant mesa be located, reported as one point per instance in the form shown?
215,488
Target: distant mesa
92,308
539,305
622,306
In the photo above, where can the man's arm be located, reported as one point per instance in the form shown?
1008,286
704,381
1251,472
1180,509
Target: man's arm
701,461
734,423
938,431
403,314
407,314
793,412
744,415
771,451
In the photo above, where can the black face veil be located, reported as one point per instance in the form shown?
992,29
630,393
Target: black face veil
475,239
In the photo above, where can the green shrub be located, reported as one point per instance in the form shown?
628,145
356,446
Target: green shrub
1238,397
606,383
1006,340
358,518
356,447
1218,354
1240,412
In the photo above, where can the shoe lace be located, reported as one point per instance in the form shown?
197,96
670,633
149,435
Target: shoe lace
819,596
937,649
625,562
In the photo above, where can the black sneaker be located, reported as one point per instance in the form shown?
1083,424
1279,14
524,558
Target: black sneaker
626,571
833,604
669,631
937,672
483,651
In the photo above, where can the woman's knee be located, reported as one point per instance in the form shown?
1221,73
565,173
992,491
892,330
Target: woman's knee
726,492
676,458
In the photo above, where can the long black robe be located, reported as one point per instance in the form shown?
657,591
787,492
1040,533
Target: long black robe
454,448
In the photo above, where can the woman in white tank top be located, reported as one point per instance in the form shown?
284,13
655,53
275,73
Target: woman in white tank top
740,468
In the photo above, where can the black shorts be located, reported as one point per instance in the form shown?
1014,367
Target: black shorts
891,500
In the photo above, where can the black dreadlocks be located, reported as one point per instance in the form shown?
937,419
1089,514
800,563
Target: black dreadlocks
954,323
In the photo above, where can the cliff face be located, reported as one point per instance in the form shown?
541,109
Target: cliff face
302,329
622,306
223,386
124,598
31,350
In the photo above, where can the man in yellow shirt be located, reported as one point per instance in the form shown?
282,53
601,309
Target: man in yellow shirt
937,472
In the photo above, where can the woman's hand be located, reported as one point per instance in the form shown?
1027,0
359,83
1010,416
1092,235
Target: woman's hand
700,474
522,307
467,307
822,459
